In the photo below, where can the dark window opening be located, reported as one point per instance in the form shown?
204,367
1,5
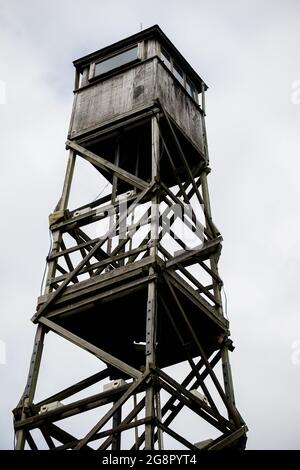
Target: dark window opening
116,61
190,88
178,73
165,57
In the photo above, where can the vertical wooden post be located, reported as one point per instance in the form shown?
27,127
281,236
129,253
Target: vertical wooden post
226,369
213,260
68,181
113,194
159,416
30,388
62,205
116,440
227,375
117,417
152,292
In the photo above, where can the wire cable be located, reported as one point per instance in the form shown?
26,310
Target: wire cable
102,190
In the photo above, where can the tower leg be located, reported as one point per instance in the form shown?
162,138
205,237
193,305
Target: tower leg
28,395
227,375
152,296
116,441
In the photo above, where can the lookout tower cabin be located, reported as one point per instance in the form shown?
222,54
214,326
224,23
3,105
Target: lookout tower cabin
118,88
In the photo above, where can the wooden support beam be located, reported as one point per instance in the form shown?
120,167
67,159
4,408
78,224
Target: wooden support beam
30,441
30,388
110,294
191,256
191,405
35,364
121,245
116,435
170,403
212,226
177,436
68,260
78,387
194,368
151,313
83,251
225,441
223,423
107,166
173,167
103,355
139,406
210,311
199,228
98,245
73,249
110,432
131,390
229,405
164,214
175,409
79,235
47,437
97,283
71,409
201,289
63,203
214,275
62,436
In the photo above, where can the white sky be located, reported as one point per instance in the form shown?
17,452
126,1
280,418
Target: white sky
248,54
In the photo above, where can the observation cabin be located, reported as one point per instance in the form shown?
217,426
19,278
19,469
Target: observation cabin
116,91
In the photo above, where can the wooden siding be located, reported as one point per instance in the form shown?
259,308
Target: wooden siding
133,89
178,105
113,97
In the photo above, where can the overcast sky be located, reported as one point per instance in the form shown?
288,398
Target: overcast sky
248,53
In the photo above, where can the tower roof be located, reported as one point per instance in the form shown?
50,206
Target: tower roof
152,32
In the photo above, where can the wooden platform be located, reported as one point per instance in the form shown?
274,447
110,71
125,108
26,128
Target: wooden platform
100,310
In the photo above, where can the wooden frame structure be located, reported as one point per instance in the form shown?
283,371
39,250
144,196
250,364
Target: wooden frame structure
173,315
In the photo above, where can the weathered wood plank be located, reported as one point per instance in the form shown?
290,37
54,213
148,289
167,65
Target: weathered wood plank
102,264
67,392
113,97
103,281
192,256
182,109
112,294
71,409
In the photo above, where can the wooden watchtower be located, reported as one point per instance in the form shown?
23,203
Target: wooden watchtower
145,296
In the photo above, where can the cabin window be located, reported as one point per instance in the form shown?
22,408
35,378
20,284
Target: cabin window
190,88
116,61
178,73
165,57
